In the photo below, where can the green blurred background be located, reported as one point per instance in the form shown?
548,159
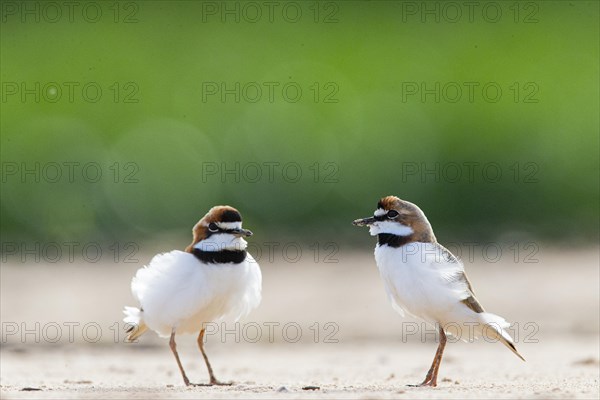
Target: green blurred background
161,137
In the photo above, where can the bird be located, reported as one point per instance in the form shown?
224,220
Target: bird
424,279
179,292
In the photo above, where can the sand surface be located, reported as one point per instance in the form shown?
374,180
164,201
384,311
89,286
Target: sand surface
323,325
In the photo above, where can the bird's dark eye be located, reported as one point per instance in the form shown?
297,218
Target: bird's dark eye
392,214
213,227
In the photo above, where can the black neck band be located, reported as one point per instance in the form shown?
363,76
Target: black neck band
220,257
393,240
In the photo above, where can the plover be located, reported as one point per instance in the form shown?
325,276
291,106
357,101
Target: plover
215,278
426,280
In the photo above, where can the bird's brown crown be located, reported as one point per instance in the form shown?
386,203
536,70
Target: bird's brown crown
214,215
409,214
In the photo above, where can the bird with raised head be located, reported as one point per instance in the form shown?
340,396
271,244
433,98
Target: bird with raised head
424,279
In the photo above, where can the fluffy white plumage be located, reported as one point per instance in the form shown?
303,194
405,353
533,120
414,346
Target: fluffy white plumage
178,291
213,279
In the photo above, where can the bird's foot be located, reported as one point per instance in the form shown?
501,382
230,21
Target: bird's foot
217,382
430,383
213,382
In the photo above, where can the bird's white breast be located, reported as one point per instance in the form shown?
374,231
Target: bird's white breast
178,290
420,279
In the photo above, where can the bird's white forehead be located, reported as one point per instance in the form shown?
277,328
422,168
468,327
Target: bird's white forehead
229,225
379,212
226,225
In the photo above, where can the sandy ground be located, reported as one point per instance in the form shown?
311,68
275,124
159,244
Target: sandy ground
331,327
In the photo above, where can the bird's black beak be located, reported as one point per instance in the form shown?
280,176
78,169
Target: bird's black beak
364,221
240,232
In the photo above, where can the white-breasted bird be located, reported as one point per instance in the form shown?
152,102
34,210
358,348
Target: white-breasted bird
215,278
424,279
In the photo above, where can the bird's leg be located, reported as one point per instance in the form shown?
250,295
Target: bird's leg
431,377
173,346
439,353
213,380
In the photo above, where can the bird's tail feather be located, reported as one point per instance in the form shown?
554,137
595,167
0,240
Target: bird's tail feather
135,324
494,329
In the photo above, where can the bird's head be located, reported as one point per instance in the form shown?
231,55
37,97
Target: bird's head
398,217
220,229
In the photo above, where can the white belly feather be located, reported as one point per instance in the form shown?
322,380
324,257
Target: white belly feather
421,281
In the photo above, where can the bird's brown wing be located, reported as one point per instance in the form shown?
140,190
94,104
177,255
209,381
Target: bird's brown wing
470,301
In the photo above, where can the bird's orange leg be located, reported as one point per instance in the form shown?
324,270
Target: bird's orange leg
431,377
213,380
173,346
